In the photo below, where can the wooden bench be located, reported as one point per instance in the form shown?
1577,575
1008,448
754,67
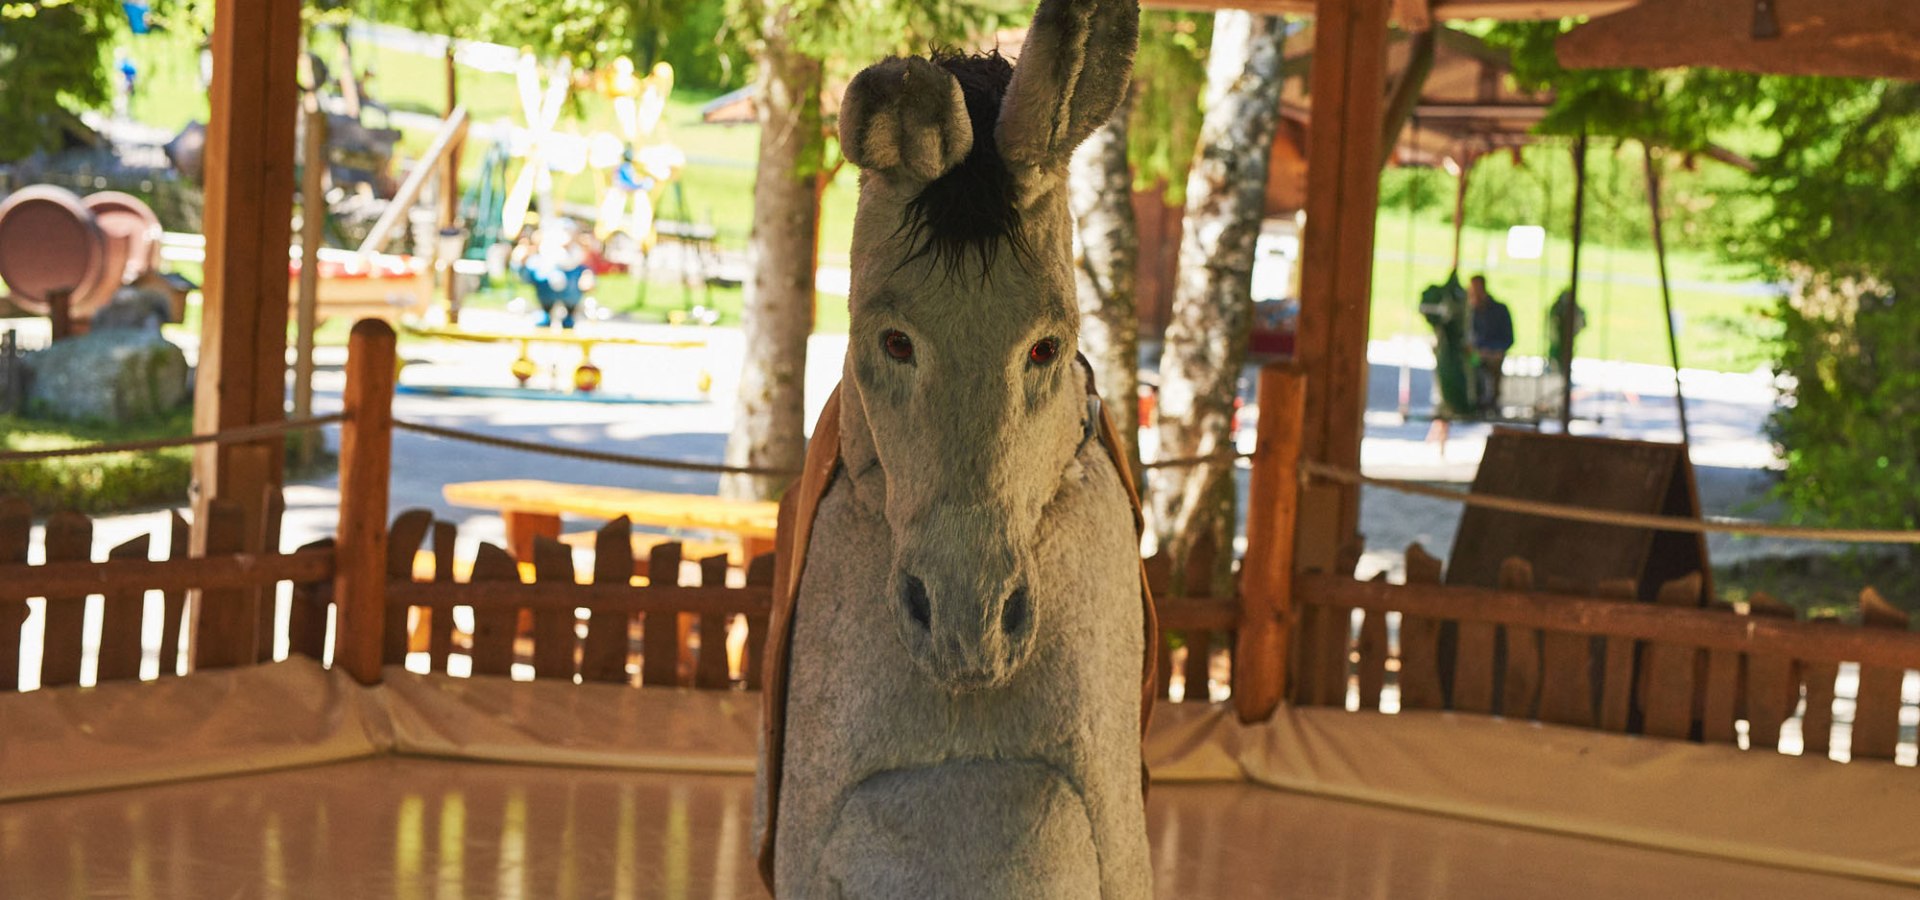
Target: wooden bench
533,509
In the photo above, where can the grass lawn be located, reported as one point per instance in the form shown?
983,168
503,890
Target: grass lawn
1720,326
95,484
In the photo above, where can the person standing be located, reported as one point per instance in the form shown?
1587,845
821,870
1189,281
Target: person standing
1491,333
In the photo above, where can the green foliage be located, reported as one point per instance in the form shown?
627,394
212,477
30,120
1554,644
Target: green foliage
95,484
1169,79
1852,451
1834,204
52,64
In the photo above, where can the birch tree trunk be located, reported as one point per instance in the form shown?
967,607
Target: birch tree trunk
1106,247
769,428
1206,339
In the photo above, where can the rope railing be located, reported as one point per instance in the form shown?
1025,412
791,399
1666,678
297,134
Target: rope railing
242,435
1702,525
626,459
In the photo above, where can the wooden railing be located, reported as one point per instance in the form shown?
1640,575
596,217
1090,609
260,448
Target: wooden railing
1601,659
132,634
1587,657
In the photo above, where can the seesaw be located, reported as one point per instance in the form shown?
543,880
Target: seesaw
586,375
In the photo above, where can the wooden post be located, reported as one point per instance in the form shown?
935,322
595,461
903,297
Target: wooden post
313,224
249,211
1343,154
60,313
366,449
450,191
1666,292
1266,595
1567,324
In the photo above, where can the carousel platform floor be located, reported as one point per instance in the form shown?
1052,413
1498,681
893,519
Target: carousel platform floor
425,828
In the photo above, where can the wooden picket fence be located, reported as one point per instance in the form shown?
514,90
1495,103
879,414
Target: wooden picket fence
1592,656
132,632
657,631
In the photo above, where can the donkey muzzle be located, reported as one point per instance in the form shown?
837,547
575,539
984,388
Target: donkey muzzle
967,630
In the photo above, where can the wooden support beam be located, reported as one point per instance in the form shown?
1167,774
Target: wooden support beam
1343,153
1853,38
241,379
1409,16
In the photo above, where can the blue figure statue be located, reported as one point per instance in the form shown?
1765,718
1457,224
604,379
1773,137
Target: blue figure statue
554,261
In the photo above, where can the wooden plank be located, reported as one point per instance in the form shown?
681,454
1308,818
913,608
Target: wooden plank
605,655
659,667
1336,656
694,512
1772,687
712,671
121,613
440,625
220,610
405,537
1720,697
173,615
1616,676
307,616
1197,580
1201,613
1857,39
1266,574
760,575
1197,671
1566,679
1876,711
1450,10
266,597
507,594
1639,621
1816,725
1520,672
494,626
553,639
226,571
1163,664
1420,686
1667,684
1371,668
68,538
452,131
16,530
366,450
524,529
1473,667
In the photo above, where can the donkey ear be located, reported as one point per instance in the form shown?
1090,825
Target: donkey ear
905,118
1071,75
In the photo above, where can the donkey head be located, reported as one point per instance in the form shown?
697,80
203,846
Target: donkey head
967,406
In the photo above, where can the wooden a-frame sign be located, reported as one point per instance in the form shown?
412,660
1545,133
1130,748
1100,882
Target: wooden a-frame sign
1597,473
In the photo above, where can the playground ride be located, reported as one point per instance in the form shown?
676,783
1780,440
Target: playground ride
587,377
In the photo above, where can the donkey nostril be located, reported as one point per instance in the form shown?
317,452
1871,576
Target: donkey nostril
915,594
1013,616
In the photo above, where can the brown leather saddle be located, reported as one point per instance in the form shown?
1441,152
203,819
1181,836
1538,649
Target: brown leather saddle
796,530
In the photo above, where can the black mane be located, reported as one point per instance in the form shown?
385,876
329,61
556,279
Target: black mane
973,206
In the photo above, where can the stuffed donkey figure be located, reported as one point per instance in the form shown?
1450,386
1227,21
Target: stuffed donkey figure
960,660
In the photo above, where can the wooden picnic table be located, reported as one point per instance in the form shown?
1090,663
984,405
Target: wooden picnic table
533,508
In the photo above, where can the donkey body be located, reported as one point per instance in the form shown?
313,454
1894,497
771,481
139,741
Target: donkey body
955,696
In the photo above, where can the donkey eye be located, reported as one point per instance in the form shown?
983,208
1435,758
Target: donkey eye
1044,350
897,345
